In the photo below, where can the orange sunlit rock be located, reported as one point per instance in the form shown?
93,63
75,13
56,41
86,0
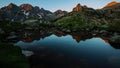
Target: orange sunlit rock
59,34
77,38
27,7
111,4
77,8
106,40
28,39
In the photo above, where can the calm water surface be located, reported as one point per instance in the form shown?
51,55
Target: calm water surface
71,52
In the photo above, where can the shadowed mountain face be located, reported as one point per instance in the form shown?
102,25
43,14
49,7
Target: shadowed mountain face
9,12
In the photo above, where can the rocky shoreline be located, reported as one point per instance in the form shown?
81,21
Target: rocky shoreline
33,34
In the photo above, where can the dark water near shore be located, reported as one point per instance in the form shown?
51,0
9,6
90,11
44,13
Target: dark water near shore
71,52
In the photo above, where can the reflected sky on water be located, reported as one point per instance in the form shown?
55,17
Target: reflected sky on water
94,52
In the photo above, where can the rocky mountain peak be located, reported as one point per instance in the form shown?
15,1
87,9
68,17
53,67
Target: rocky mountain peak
85,6
58,11
111,4
11,5
61,12
26,7
77,8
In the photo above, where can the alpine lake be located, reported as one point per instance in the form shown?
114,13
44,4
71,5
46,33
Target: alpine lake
69,50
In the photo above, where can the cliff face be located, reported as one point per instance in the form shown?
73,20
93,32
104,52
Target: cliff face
77,8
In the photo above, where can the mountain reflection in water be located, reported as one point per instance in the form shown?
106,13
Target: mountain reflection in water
71,51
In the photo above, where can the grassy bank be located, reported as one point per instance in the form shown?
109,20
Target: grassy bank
11,57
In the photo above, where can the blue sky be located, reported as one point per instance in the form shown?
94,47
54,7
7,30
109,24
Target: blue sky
53,5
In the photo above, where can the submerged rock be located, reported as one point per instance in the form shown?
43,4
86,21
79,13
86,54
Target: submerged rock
68,31
12,37
27,53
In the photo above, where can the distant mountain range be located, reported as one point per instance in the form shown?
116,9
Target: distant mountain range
25,12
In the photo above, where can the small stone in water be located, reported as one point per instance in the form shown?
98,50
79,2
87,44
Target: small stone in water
27,53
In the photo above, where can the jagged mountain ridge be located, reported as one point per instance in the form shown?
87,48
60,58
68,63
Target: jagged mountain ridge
23,12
